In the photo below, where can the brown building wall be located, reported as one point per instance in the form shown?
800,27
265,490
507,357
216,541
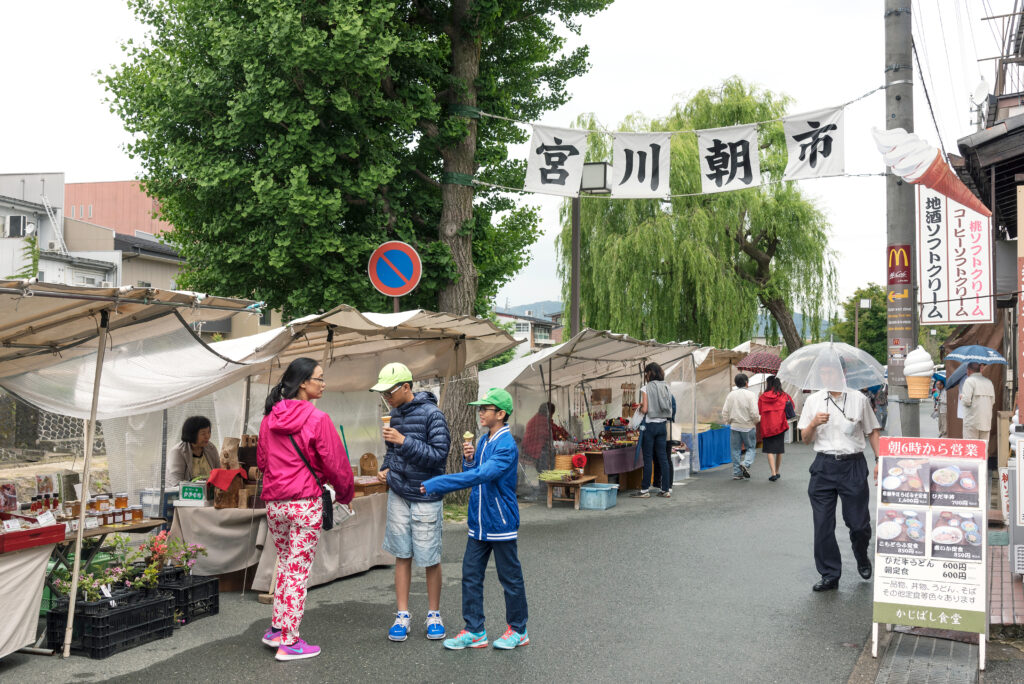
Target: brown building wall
120,205
85,237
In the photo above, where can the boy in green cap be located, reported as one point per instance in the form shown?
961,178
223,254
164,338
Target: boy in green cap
491,469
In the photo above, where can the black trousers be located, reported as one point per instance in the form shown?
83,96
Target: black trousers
848,481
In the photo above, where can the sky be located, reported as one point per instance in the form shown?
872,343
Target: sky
645,56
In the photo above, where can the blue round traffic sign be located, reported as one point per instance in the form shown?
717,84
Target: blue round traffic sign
395,269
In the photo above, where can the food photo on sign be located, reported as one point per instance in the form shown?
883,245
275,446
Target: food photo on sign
955,484
901,532
956,535
904,481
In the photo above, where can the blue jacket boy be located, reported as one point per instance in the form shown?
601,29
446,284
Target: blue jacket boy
493,510
425,451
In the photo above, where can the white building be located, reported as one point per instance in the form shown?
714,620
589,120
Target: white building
537,332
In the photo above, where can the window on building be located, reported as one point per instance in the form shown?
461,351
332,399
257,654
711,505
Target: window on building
522,327
85,280
81,211
39,276
72,212
265,317
90,211
541,333
143,283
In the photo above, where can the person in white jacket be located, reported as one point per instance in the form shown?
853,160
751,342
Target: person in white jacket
741,415
977,395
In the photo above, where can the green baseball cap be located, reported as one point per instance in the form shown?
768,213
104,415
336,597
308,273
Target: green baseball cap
496,397
391,375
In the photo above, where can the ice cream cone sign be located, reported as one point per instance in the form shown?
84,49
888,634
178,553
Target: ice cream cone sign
915,161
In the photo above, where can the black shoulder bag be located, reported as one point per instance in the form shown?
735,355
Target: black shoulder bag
328,519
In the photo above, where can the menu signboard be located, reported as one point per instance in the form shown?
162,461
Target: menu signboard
930,534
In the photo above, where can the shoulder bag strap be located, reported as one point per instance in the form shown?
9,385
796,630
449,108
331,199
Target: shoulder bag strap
303,457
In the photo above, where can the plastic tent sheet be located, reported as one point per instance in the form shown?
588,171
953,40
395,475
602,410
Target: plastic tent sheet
353,346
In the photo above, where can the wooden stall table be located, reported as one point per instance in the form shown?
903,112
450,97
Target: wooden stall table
572,487
624,462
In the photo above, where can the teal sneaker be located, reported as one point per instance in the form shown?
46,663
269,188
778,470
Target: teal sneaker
466,639
510,639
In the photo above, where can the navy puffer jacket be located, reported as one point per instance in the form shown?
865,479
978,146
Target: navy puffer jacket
424,453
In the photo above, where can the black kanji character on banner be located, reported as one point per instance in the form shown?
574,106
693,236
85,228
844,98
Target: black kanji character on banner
818,139
555,157
727,159
641,166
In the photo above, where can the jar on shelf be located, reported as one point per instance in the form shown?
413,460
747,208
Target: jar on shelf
121,500
103,503
76,508
136,513
92,520
117,516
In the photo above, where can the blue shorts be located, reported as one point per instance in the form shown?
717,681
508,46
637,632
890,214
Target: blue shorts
414,530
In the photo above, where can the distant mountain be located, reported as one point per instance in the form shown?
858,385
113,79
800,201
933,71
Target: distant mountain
539,309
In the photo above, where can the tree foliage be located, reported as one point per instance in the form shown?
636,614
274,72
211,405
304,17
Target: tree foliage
700,267
872,322
285,139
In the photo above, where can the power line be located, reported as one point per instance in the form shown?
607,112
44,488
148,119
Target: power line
929,101
949,66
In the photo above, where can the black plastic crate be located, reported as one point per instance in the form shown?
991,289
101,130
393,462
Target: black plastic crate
194,597
101,630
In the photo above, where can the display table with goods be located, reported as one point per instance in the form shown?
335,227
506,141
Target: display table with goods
146,593
351,547
615,453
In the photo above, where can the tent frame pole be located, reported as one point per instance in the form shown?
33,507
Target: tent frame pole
90,439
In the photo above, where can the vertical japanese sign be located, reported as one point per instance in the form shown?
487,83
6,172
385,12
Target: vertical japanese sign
930,534
641,163
899,312
555,164
954,246
814,144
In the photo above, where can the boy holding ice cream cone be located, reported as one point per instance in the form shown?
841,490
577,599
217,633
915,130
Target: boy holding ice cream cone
416,434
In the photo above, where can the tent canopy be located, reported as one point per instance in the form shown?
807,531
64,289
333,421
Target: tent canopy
155,361
590,355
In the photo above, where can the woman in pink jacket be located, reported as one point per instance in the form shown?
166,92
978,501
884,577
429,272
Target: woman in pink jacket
294,504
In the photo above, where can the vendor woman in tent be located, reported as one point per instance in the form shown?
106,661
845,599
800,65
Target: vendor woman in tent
194,456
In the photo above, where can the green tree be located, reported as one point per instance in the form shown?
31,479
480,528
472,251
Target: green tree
701,267
872,322
30,253
285,139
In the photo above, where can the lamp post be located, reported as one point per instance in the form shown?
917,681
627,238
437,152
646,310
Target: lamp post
595,181
862,304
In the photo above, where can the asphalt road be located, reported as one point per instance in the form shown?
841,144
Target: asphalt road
712,585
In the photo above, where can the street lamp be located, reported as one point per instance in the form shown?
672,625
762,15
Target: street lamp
864,303
596,180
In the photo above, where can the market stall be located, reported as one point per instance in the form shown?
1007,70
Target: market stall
592,380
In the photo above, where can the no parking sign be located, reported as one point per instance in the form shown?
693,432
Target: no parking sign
395,269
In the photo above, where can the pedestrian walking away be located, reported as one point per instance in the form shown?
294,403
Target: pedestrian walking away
836,424
491,469
656,405
416,434
298,448
741,415
776,408
977,396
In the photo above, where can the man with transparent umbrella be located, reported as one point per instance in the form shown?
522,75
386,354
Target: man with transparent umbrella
837,421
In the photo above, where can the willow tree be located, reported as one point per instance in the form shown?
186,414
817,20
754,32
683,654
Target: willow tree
701,266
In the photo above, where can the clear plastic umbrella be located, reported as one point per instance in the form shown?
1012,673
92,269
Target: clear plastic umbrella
832,366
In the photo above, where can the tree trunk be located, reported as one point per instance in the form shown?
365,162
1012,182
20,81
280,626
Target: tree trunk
459,296
780,312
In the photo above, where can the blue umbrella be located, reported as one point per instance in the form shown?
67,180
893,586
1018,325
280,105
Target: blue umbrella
977,353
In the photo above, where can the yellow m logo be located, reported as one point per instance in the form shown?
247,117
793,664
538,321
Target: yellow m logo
895,254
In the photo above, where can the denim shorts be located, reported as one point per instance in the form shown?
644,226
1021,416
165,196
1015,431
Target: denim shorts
414,530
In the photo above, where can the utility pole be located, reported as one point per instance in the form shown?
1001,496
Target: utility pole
901,257
574,277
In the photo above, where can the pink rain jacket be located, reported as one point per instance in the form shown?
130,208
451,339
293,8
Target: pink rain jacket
285,477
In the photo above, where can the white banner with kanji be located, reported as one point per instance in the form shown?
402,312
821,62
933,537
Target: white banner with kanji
555,162
728,158
814,144
640,163
955,275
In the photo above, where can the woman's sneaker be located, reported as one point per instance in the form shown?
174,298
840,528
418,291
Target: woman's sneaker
400,630
297,651
272,637
510,639
466,639
435,628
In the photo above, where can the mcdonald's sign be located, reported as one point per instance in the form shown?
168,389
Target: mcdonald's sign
898,264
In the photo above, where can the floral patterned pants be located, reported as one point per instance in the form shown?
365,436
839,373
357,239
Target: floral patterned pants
295,527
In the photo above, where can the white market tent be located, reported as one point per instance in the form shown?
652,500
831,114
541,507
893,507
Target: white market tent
115,352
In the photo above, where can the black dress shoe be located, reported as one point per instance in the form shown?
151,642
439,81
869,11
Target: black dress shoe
826,585
865,570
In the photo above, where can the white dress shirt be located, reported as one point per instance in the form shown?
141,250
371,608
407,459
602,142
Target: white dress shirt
850,419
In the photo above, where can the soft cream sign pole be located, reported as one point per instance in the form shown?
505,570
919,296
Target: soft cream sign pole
930,536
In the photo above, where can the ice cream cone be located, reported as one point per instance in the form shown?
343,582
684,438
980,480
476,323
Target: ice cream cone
917,387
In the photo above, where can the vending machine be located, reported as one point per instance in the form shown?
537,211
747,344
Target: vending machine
1016,514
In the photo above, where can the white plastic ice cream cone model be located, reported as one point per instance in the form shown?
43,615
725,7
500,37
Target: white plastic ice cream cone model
918,371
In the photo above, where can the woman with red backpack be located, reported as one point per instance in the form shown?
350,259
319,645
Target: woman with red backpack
776,409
